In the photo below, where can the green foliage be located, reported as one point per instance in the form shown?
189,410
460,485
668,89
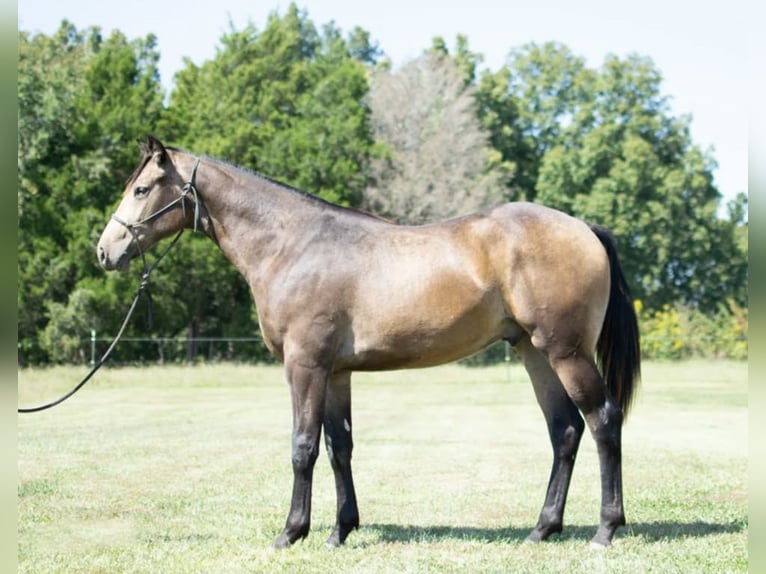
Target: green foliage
284,101
602,145
292,100
62,336
678,332
82,100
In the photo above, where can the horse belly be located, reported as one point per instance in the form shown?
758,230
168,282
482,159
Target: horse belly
409,332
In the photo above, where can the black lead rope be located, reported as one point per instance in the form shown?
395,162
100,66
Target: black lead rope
143,288
96,366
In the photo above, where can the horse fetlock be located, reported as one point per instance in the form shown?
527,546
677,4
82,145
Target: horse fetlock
542,532
548,523
291,534
612,516
340,533
603,537
611,519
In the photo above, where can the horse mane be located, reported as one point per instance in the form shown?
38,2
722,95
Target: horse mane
305,194
147,155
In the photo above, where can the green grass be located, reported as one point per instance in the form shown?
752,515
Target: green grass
187,469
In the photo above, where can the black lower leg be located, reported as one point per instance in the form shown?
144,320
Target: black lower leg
607,430
339,443
307,390
305,449
565,439
565,428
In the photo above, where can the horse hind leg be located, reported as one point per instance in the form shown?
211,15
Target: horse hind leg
565,428
585,386
339,443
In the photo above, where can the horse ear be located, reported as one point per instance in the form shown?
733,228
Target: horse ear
156,149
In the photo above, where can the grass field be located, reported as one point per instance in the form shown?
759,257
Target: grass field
187,469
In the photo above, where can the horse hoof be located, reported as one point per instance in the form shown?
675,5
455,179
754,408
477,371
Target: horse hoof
282,541
333,542
540,534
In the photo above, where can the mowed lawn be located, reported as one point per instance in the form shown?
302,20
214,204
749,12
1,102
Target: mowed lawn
187,469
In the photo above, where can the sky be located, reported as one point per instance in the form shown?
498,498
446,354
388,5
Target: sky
701,49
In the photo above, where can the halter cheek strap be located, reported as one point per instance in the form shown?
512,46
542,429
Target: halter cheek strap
189,188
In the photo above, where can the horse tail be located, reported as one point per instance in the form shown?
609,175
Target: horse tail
618,348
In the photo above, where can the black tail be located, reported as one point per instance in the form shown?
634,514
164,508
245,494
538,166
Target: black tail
618,347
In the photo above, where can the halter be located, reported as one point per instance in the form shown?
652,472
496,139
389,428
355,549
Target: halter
190,187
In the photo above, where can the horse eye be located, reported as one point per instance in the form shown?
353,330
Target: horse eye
140,191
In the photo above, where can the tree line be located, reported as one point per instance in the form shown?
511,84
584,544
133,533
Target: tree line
325,111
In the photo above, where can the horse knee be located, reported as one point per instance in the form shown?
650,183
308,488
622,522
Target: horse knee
305,452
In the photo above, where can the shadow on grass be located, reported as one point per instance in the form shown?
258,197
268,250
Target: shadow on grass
649,531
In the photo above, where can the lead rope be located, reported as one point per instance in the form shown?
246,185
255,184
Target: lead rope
142,288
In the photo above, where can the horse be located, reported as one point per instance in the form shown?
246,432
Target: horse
339,290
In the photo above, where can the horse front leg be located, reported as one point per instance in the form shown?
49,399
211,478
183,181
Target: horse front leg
337,436
307,389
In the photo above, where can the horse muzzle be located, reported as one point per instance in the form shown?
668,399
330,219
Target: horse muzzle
121,262
115,248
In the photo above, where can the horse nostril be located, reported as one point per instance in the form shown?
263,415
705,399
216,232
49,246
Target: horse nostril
101,255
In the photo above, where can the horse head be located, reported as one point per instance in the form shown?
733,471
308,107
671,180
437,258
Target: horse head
153,207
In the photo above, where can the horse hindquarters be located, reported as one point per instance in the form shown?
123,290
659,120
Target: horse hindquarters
564,323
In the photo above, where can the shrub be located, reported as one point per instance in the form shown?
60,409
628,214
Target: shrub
679,332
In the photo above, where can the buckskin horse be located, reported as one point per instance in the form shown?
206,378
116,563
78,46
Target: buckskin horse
338,290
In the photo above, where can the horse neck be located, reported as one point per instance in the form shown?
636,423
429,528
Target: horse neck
252,219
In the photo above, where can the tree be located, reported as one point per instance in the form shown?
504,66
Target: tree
436,159
82,99
314,108
602,144
285,101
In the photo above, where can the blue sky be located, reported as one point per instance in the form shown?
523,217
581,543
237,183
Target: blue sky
700,48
